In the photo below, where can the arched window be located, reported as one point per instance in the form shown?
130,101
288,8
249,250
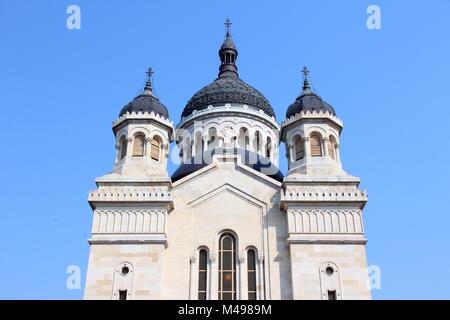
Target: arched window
299,149
198,145
138,146
331,147
244,139
316,145
258,142
123,147
247,142
251,274
227,267
212,138
268,147
155,147
202,274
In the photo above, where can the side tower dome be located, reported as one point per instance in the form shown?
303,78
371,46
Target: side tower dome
311,133
228,115
143,133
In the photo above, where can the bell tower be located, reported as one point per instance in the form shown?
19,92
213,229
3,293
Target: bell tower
131,205
323,205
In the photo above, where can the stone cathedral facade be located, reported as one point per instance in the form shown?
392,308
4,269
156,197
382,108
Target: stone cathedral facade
227,224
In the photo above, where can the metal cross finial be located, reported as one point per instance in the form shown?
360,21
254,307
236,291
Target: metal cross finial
305,72
150,72
228,24
306,85
148,90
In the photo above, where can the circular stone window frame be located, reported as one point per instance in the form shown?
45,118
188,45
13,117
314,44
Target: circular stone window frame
329,271
125,270
327,266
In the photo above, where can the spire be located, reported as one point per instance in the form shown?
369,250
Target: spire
306,85
228,55
148,89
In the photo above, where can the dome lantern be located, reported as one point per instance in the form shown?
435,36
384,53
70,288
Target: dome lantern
228,55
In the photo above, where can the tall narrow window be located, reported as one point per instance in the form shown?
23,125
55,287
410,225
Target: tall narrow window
154,149
227,267
122,294
258,142
123,147
138,146
202,274
331,294
247,142
331,146
299,149
316,146
268,147
251,274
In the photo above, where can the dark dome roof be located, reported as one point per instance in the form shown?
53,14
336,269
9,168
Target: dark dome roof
308,102
146,103
227,89
250,159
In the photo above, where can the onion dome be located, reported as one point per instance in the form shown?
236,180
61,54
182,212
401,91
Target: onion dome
146,101
308,100
250,159
228,87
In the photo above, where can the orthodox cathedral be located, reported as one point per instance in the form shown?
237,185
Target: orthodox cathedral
227,224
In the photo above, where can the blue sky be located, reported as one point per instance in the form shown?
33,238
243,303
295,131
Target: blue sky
61,89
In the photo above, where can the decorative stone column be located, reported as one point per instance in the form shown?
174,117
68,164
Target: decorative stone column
117,152
251,142
325,142
243,278
192,282
148,146
307,148
260,277
214,278
205,143
291,152
130,147
337,152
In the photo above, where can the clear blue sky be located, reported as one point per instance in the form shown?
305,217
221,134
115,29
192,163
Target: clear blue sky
61,89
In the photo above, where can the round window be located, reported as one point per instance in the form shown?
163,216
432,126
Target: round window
125,270
329,270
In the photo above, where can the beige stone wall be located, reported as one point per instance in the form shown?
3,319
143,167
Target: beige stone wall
223,197
146,260
226,196
309,281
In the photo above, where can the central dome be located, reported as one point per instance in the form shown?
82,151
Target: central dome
227,90
228,87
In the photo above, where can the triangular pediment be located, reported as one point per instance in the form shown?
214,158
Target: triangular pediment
226,190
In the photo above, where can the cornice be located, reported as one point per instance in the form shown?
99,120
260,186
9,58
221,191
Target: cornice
229,109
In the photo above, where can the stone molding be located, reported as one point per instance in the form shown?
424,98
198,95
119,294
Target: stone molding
325,221
145,116
109,239
132,194
326,193
229,108
313,115
129,221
